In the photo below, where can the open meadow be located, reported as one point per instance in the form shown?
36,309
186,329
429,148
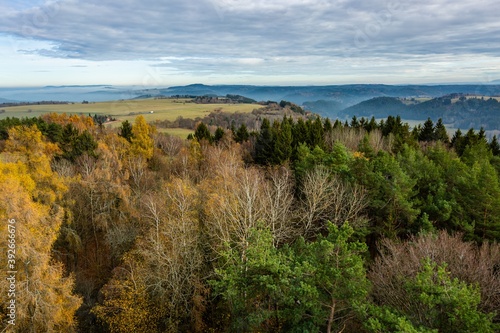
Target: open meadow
151,109
182,133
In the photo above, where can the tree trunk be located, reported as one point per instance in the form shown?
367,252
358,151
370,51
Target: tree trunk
330,318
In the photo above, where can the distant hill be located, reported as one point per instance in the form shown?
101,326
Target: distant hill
379,107
346,95
342,101
457,110
323,106
4,100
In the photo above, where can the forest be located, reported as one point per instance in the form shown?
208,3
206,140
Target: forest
297,225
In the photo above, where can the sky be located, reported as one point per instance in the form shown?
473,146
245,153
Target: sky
150,43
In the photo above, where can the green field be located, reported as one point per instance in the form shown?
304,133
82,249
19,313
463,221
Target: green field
179,132
151,109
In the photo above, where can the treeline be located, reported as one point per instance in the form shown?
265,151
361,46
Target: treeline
253,120
302,225
233,99
33,103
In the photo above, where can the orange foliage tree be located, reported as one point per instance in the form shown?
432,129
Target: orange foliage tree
43,293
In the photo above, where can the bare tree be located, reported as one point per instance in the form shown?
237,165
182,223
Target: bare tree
379,142
279,201
465,261
169,144
170,250
349,137
326,197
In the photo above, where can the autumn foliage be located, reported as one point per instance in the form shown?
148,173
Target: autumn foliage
298,225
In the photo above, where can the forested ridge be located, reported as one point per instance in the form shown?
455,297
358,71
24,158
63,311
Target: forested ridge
299,225
459,110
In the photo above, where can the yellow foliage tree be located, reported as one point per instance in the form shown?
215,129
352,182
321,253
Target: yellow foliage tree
26,144
142,143
43,296
127,306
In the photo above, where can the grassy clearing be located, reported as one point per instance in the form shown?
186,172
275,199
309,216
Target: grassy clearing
414,100
168,109
179,132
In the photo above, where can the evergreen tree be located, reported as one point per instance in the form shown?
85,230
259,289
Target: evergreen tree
54,132
308,287
495,146
283,147
481,135
126,130
74,144
458,142
203,133
300,135
427,132
440,132
354,122
327,127
371,125
242,134
435,303
219,134
265,144
316,133
471,138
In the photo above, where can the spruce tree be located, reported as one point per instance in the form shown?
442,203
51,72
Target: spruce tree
264,147
126,130
241,134
219,134
202,132
327,127
458,142
283,146
494,146
440,132
427,132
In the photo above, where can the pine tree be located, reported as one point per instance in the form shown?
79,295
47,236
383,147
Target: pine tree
241,134
354,122
219,134
440,132
203,133
427,132
371,125
283,147
458,142
265,145
300,133
316,133
327,127
495,146
126,130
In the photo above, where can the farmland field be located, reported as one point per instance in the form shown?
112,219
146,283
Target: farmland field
151,109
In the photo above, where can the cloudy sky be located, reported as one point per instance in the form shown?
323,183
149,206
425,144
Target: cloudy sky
285,42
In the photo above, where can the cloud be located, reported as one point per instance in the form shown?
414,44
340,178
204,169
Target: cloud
273,36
